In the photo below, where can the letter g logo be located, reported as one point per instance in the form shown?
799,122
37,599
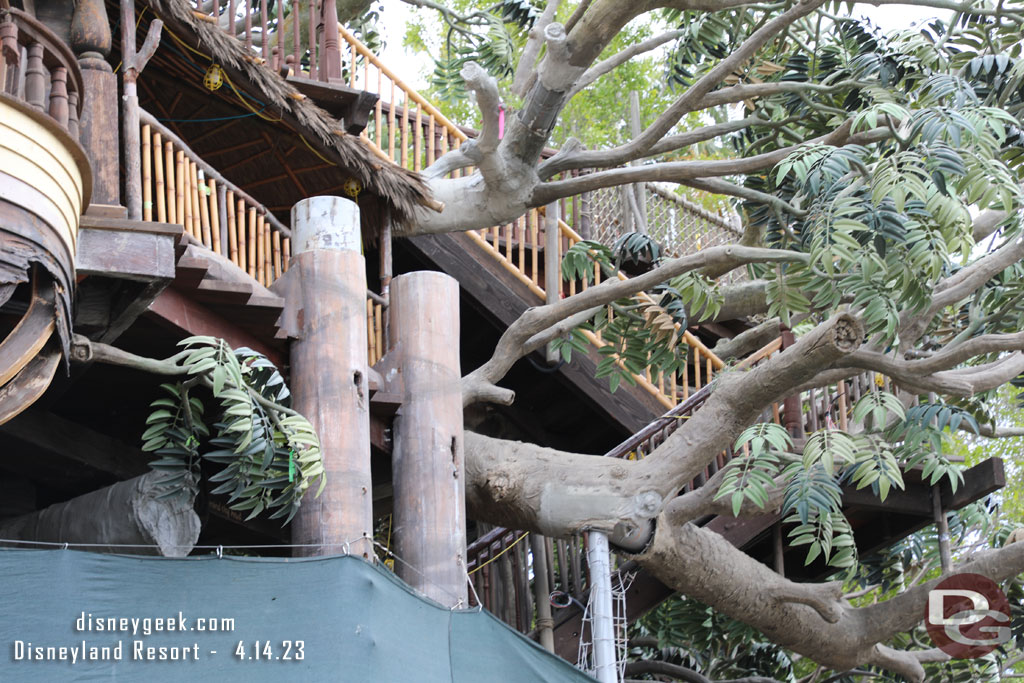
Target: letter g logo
963,614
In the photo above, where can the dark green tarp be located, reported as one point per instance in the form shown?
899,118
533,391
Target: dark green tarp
355,622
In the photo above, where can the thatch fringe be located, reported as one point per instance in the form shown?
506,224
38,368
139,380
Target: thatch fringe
402,190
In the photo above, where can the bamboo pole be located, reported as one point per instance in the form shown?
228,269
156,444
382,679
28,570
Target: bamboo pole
268,268
286,247
197,230
418,140
250,242
534,246
391,123
158,169
277,255
214,216
203,194
147,190
405,132
371,343
170,172
260,256
179,192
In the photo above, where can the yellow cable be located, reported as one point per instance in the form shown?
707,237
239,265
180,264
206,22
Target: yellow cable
510,546
319,156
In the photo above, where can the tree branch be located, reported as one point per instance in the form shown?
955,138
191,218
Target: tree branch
688,101
616,60
568,159
679,171
704,566
524,70
511,347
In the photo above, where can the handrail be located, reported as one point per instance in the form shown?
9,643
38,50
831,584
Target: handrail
167,134
50,80
359,47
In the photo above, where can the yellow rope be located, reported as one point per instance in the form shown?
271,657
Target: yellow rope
510,546
319,156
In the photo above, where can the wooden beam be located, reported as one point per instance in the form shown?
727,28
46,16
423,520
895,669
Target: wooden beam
174,309
78,443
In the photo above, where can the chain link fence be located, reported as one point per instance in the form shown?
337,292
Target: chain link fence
679,225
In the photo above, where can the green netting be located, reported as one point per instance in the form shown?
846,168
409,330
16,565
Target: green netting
355,622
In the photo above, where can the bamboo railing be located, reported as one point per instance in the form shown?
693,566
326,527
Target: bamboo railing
274,36
179,187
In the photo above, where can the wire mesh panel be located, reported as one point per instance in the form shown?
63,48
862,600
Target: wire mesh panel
679,225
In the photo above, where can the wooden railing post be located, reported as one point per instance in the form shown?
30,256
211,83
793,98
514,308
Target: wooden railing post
330,54
427,458
552,265
327,279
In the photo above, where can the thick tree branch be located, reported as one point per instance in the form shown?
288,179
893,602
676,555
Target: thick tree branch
959,286
706,567
533,488
524,70
961,382
568,159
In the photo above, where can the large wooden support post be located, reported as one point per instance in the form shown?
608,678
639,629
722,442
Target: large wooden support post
91,41
329,373
429,476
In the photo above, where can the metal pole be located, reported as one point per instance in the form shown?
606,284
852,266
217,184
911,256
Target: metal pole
603,623
542,591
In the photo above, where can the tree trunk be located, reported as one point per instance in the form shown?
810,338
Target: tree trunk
128,513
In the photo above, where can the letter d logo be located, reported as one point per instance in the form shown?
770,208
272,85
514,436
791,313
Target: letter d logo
963,614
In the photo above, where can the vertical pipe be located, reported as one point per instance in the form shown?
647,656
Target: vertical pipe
329,374
542,591
603,624
428,458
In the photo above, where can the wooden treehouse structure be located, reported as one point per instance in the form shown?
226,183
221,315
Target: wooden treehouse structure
151,154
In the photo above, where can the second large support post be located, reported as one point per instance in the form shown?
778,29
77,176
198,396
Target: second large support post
430,493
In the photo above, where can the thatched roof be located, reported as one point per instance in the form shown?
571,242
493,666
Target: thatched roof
401,190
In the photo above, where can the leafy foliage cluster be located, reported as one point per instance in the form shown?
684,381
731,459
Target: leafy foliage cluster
261,453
